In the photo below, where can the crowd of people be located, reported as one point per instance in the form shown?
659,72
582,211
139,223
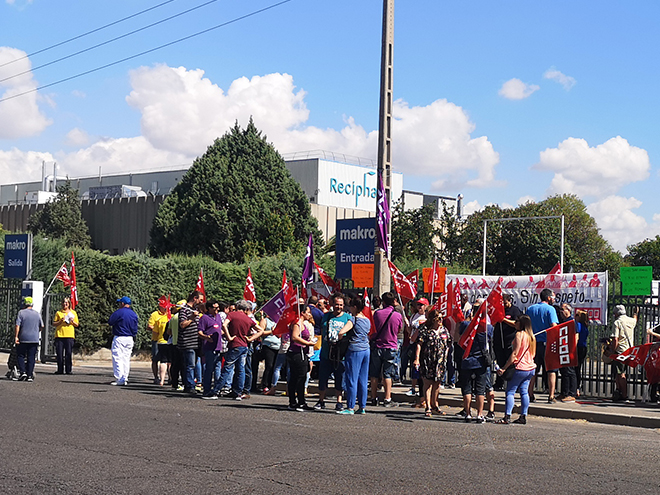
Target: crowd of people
213,350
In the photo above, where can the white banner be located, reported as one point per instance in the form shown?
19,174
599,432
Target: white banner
585,291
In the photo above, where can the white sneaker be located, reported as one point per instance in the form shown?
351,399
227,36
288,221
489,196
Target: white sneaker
411,393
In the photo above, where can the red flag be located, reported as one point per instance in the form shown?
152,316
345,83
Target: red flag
441,304
368,313
164,302
249,293
327,280
284,279
413,277
652,365
74,284
496,305
556,269
63,275
290,313
455,303
635,356
434,273
561,347
200,285
467,337
403,286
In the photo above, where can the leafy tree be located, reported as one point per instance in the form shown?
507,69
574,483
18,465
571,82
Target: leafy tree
645,253
414,233
237,201
62,219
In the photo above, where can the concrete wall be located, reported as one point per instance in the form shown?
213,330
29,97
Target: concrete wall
327,217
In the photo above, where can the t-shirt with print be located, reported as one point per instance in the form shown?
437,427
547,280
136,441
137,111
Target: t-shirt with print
332,324
158,322
211,326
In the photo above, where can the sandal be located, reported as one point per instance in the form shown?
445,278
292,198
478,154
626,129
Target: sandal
504,421
428,413
436,410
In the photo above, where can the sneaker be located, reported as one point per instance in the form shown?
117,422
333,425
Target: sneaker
293,407
568,398
468,418
552,400
374,402
270,391
242,397
452,386
120,384
179,388
199,387
210,397
265,391
361,411
319,405
305,407
345,411
461,414
30,378
23,377
389,403
480,419
442,387
191,391
339,407
522,420
411,393
490,416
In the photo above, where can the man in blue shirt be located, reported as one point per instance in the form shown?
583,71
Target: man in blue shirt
124,323
543,316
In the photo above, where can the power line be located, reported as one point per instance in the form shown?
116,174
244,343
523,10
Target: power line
87,33
251,14
109,41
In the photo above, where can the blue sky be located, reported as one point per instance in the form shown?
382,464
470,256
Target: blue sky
500,101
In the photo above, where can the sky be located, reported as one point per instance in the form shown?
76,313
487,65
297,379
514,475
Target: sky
502,102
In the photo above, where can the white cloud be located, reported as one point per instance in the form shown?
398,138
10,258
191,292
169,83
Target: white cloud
19,166
526,199
79,94
597,171
184,112
566,81
471,207
619,224
515,89
77,137
19,117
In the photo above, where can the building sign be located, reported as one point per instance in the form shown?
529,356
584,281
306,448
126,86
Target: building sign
18,255
354,244
585,291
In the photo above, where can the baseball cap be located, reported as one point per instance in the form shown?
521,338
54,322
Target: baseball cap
28,301
423,300
124,300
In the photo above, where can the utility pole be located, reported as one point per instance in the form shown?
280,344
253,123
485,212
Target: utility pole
381,270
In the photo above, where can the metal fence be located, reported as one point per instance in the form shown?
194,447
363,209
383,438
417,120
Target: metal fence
10,304
52,304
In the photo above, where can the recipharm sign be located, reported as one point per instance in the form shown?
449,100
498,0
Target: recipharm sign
354,243
18,255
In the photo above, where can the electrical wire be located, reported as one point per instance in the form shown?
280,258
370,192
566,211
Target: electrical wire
87,33
109,41
251,14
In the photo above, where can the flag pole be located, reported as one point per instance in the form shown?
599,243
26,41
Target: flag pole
432,284
403,309
52,282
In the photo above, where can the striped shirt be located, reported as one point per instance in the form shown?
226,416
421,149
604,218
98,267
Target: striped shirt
188,337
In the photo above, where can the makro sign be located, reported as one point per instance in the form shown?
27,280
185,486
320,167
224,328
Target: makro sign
354,244
18,255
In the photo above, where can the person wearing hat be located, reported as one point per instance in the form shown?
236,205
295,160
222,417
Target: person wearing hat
172,333
124,323
160,357
28,326
624,338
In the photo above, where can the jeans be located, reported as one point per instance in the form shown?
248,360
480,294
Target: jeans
450,373
234,358
519,382
356,377
279,363
247,368
328,367
188,368
28,351
212,370
397,361
269,356
63,350
198,369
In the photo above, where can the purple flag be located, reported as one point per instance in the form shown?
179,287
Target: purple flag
275,307
382,217
308,264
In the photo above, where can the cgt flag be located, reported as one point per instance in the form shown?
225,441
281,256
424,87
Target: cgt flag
249,293
74,284
652,365
326,279
561,347
200,285
63,275
634,356
404,287
478,323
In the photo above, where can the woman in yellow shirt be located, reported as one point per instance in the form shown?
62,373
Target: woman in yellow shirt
66,322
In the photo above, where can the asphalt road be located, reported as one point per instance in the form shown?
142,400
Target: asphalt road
76,434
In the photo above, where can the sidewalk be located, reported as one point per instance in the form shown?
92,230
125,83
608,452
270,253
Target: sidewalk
592,409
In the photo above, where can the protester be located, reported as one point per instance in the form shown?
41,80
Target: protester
357,358
543,316
522,358
624,338
333,322
382,362
431,358
28,328
582,328
568,375
189,340
159,349
172,331
124,323
416,320
505,332
210,331
280,363
474,368
301,333
66,322
236,328
270,345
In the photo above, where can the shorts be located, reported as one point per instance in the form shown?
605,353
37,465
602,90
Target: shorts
327,367
489,380
473,381
160,353
539,358
382,361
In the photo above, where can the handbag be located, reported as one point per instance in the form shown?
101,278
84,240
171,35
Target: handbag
509,372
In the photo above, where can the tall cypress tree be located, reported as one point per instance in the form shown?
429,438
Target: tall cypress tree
237,201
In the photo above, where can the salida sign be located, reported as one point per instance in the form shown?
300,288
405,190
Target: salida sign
354,244
18,255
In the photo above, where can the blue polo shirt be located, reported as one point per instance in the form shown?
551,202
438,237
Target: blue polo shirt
543,316
124,323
